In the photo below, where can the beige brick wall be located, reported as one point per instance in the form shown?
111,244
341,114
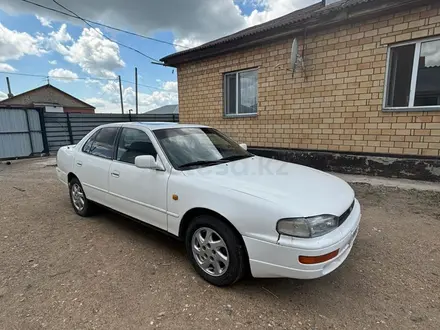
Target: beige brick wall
337,107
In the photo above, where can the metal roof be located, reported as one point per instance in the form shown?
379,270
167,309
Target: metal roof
297,17
47,86
172,109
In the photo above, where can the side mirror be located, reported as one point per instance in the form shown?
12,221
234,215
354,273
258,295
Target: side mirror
146,161
243,145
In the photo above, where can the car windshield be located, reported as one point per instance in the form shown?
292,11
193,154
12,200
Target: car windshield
191,147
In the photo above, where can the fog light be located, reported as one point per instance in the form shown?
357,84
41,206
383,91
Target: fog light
318,259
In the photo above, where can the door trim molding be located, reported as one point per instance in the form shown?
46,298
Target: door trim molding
93,187
139,203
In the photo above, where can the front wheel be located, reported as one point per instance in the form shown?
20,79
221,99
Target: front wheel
80,203
215,251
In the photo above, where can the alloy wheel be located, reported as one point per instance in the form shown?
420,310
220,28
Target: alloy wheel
210,251
78,197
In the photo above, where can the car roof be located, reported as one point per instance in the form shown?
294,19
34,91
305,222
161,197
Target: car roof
155,125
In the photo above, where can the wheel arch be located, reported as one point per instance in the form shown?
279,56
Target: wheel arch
197,211
71,176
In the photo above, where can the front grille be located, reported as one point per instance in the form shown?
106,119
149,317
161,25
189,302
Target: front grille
345,215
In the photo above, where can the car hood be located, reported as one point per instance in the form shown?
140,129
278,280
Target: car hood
301,190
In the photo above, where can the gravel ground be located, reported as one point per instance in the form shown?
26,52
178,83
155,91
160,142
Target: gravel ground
58,271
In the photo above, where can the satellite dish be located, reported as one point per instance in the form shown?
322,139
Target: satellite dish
294,54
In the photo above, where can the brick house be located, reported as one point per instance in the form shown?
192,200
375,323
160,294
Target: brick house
50,98
366,100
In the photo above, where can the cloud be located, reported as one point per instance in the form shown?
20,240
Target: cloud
95,54
170,86
185,43
44,21
110,99
156,99
56,40
3,96
53,62
62,75
61,35
7,68
191,21
92,81
103,105
431,52
14,44
274,9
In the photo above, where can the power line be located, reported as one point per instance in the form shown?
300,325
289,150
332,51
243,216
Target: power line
83,78
105,25
112,40
148,86
24,74
55,77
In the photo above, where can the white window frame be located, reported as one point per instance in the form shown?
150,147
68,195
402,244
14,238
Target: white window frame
236,114
412,92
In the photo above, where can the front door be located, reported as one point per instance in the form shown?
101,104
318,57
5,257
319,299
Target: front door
92,163
137,192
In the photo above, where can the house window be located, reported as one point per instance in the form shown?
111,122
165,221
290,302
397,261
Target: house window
240,93
413,77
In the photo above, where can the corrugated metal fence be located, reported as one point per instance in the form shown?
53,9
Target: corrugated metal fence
64,128
21,133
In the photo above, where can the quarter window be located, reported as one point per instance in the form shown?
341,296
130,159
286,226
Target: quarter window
133,143
240,92
414,75
101,143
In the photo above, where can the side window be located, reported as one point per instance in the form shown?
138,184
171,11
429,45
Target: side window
133,143
101,143
88,144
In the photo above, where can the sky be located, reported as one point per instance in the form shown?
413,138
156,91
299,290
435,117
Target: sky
40,42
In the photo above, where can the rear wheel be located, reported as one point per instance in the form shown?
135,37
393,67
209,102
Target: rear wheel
215,250
80,203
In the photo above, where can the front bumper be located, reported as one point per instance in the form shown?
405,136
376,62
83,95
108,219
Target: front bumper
281,259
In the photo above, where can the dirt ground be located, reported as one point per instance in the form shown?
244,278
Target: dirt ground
58,271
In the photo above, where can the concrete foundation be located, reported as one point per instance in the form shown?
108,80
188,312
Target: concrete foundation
391,166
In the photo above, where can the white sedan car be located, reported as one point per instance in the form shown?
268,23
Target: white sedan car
236,212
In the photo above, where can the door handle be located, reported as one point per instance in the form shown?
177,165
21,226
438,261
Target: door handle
79,163
115,174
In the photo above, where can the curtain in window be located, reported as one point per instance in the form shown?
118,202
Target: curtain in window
248,92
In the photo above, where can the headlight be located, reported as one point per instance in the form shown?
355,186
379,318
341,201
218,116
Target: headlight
308,227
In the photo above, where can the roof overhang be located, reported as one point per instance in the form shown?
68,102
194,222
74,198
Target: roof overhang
324,18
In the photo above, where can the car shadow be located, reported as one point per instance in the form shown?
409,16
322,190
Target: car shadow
344,282
142,232
345,278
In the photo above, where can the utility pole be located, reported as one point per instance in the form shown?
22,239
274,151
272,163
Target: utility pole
120,93
9,88
136,88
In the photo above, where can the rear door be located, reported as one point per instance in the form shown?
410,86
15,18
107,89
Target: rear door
92,163
137,192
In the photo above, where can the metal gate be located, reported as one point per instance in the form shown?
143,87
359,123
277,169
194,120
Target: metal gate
21,133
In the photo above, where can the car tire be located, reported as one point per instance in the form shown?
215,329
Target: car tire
222,242
80,203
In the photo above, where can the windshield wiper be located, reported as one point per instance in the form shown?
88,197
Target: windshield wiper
214,162
236,157
202,162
